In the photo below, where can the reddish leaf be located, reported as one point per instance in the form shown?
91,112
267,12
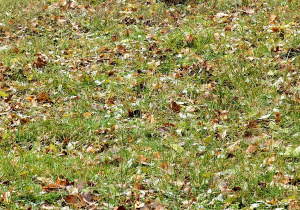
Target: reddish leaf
190,38
8,98
39,63
169,124
110,73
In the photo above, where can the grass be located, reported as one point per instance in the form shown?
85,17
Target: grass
86,118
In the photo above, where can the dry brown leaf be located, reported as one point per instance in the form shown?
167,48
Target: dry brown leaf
63,182
80,186
174,106
88,197
138,186
135,113
153,120
190,38
272,18
248,10
143,159
158,206
294,205
52,187
228,27
72,199
42,96
90,149
39,63
119,208
164,165
252,148
156,155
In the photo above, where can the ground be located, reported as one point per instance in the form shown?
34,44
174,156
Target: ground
147,105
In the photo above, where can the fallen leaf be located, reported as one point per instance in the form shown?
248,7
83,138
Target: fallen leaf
135,113
252,148
164,165
158,206
63,182
294,205
8,99
208,139
177,148
90,149
156,155
228,27
273,202
88,197
139,204
190,38
52,187
272,18
110,73
248,10
39,63
144,160
42,96
80,186
119,208
72,199
191,109
3,94
174,106
87,115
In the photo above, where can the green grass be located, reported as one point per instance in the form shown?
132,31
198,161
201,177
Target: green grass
85,95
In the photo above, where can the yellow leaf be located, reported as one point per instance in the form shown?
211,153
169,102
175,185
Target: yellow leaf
286,200
23,173
15,60
30,77
206,175
52,147
3,94
177,148
208,139
87,115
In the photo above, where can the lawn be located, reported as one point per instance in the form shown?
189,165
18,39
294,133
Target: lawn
145,104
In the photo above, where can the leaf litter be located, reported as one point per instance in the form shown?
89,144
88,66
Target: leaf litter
175,105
